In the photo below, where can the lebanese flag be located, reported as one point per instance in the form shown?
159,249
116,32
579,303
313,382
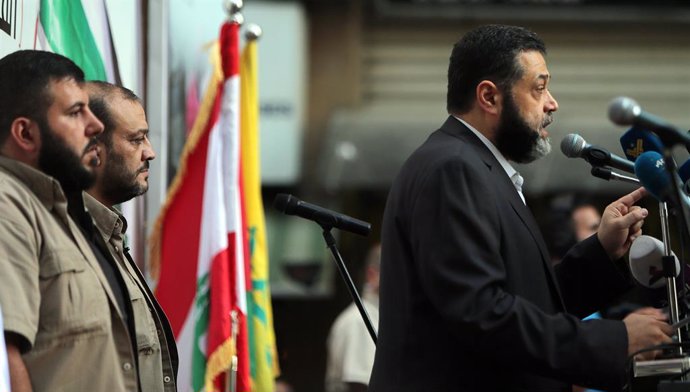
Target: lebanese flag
199,241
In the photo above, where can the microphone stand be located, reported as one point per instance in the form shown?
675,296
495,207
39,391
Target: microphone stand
669,264
678,196
330,242
669,267
668,261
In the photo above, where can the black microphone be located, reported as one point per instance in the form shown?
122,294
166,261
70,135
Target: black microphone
626,111
291,205
605,173
574,146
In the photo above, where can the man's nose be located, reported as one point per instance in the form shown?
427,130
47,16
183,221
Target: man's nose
94,126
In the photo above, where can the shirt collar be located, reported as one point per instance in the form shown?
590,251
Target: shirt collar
46,188
507,167
108,221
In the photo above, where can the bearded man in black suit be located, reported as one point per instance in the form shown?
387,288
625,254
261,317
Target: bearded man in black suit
469,300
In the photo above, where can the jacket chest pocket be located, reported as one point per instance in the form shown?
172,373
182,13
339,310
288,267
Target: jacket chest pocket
144,324
74,303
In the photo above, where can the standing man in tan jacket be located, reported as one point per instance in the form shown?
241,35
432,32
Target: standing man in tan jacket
67,323
124,152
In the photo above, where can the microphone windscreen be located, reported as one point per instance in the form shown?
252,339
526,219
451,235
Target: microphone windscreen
637,141
651,171
623,111
645,261
282,202
572,145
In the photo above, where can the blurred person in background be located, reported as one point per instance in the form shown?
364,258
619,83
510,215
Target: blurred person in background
570,220
585,220
283,385
350,348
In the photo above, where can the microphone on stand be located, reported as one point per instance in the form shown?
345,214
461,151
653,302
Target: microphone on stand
606,173
650,169
645,261
575,146
626,111
291,205
328,219
636,141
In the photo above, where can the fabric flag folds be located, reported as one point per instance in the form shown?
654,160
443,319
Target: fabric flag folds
198,242
81,32
262,349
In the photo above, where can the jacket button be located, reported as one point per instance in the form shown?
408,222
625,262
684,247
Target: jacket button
166,379
127,366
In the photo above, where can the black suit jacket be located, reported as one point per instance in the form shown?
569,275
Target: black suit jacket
468,298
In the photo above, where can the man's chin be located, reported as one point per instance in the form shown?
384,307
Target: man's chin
143,188
543,148
539,150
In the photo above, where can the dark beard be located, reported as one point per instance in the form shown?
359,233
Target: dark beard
515,139
121,185
57,160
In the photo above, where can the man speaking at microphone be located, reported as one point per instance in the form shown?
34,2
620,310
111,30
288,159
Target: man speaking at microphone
468,298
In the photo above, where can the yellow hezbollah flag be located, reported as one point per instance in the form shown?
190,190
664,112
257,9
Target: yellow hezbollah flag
262,348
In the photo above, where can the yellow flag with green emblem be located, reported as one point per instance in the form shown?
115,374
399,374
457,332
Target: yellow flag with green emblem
262,349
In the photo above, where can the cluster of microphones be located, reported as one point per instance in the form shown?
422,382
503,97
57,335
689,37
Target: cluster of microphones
647,146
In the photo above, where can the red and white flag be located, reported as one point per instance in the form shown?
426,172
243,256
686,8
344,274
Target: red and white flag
198,243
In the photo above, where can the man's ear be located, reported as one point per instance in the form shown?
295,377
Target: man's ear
489,97
26,135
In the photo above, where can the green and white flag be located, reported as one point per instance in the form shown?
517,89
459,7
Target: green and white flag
80,30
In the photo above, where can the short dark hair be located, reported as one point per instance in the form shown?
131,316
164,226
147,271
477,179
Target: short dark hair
99,92
487,53
25,77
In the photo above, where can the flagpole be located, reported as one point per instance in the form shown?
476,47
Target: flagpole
233,9
231,380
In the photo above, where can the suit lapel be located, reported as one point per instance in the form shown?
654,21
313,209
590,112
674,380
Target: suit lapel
528,220
455,128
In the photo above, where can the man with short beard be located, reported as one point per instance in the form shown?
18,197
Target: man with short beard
67,318
469,300
124,152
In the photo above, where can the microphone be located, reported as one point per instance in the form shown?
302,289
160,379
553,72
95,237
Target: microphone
291,205
645,261
650,169
625,111
607,174
574,146
636,141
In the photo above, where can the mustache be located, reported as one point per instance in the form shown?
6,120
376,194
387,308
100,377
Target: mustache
144,167
92,143
548,119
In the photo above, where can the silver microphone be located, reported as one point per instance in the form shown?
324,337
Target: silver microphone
646,264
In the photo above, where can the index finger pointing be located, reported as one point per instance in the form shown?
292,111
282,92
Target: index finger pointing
631,198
